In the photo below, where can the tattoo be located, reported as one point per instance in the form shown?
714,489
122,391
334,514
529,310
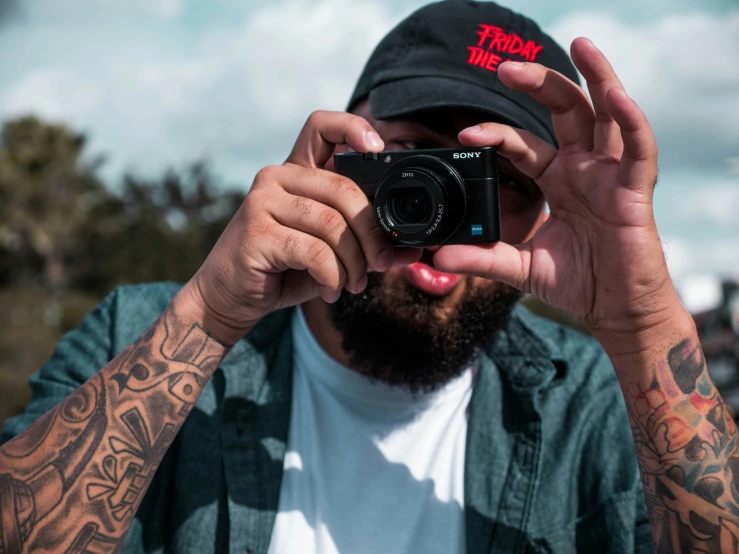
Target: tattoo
122,493
89,541
92,458
686,445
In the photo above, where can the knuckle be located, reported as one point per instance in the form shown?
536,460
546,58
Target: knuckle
291,244
256,227
316,118
318,253
344,186
603,117
251,204
331,222
302,205
265,175
257,235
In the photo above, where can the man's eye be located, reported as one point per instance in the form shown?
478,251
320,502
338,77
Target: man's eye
522,188
506,180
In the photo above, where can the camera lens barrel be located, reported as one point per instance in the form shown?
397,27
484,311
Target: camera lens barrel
421,200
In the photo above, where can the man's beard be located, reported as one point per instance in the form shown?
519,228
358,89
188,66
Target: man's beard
402,336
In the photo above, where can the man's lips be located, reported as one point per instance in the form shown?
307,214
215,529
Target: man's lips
425,277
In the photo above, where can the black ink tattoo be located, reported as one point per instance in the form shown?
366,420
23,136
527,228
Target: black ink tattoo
90,541
105,442
24,503
123,494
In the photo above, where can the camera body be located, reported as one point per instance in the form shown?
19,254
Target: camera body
430,197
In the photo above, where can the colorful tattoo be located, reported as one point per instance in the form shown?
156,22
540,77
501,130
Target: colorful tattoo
686,445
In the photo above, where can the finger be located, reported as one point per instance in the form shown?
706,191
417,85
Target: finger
500,262
298,287
325,223
638,167
347,198
527,152
324,130
294,249
600,77
572,114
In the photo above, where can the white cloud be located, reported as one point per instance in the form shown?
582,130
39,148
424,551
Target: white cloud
54,94
44,9
732,165
683,70
237,94
716,203
687,258
165,8
311,63
161,82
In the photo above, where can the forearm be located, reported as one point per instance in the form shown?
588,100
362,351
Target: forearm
73,481
686,441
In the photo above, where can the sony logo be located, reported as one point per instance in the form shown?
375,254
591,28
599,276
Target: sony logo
463,155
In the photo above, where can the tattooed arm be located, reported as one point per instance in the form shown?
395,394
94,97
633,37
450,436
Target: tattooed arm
74,479
686,441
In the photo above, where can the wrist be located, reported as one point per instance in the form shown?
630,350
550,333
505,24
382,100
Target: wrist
645,338
192,304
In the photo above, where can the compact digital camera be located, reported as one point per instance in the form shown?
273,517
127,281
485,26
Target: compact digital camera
430,197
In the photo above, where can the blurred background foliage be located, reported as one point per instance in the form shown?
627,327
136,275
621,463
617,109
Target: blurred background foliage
67,239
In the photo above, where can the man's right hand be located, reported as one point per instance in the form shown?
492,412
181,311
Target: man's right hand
302,232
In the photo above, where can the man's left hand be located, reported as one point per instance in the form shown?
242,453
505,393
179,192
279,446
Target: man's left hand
598,256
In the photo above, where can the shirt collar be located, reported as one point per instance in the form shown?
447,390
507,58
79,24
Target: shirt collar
526,351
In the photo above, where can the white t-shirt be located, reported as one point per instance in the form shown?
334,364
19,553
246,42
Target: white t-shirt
369,467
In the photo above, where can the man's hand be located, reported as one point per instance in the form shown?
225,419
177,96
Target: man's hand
302,232
598,256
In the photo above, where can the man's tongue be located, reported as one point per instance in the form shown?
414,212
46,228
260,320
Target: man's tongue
423,276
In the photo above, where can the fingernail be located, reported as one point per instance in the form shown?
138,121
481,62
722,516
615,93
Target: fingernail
476,129
374,140
385,259
514,63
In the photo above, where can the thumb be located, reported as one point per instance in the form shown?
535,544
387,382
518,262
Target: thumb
499,261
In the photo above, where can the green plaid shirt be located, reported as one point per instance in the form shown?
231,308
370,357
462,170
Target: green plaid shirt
550,463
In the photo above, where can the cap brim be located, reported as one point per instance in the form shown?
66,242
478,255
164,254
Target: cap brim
413,95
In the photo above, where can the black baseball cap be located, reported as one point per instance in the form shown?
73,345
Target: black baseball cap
446,55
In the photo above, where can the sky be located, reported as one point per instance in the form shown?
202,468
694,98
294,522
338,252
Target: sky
160,83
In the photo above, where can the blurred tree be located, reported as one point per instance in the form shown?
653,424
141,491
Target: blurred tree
62,228
157,229
66,239
46,195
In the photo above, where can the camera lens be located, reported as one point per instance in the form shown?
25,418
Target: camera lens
411,206
421,200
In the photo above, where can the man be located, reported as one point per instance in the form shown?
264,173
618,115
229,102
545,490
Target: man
407,405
